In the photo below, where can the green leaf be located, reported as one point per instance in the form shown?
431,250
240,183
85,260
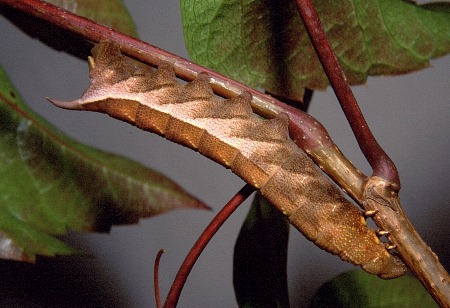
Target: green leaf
49,183
263,43
356,288
260,258
111,13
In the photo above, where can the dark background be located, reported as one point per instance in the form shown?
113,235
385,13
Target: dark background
410,116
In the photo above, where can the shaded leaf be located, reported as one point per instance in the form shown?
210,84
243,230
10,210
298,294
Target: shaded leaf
260,258
111,13
359,289
49,182
264,43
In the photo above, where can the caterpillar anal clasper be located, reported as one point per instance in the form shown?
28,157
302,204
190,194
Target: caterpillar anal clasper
228,132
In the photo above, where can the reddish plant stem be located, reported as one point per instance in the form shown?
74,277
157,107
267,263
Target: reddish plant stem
380,162
202,241
156,278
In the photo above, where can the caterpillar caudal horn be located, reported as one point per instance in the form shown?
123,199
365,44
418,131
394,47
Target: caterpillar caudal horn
227,131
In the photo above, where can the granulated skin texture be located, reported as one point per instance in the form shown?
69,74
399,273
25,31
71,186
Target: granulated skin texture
228,132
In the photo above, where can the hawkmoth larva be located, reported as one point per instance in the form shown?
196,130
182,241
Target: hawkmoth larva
227,131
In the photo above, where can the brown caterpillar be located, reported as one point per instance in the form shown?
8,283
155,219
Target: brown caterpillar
228,132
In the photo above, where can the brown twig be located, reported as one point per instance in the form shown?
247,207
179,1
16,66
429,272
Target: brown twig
380,198
202,241
380,162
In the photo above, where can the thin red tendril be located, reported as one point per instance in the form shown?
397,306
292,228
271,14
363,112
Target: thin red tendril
156,278
202,241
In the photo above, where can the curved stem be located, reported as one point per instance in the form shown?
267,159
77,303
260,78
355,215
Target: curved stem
202,241
156,278
380,162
